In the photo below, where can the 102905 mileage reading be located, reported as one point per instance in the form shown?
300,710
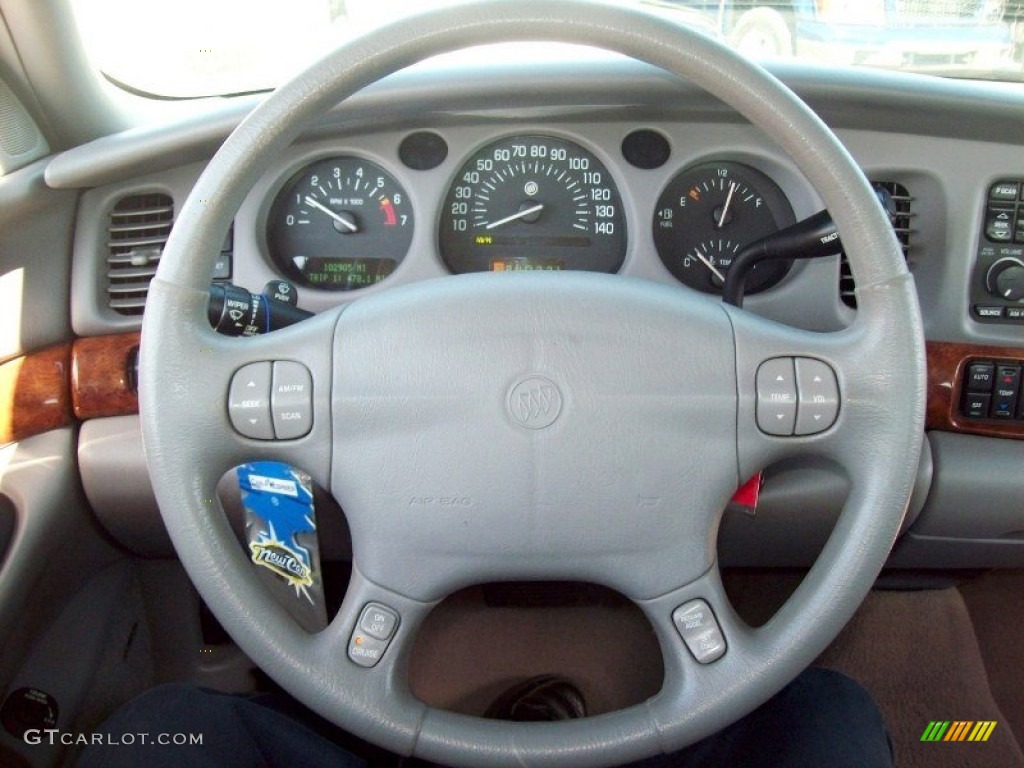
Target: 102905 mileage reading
339,224
532,203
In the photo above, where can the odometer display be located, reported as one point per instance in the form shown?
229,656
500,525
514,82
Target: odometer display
532,203
340,224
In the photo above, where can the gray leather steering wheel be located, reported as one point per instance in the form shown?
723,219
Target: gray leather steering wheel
657,423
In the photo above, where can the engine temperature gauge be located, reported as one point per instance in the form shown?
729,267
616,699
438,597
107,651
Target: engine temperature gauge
708,213
339,224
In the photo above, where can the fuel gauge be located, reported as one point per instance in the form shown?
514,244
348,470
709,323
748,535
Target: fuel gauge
708,213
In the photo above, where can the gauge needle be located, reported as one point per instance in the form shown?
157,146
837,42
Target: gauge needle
725,208
517,215
709,265
337,217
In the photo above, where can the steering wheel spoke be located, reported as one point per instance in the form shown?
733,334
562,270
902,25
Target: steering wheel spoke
812,394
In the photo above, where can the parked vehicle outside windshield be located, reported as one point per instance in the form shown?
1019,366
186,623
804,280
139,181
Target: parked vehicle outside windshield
193,48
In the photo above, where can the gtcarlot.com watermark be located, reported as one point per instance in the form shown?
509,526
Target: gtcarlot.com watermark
52,737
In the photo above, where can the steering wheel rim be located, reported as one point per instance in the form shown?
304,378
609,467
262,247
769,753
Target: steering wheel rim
878,362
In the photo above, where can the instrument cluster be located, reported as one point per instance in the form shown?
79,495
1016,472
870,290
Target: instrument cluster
521,202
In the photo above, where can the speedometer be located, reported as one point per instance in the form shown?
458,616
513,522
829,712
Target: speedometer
532,203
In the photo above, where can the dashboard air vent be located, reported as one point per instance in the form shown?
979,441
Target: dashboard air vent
900,214
139,227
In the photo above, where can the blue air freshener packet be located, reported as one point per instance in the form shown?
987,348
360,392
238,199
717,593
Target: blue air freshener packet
280,526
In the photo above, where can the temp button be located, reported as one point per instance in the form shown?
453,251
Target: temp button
776,396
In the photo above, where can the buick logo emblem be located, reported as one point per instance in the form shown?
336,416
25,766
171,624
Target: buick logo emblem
535,402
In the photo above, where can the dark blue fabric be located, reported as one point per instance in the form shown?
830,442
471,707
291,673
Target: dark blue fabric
236,732
822,718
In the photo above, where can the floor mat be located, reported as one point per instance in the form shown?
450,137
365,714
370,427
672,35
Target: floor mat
996,604
918,655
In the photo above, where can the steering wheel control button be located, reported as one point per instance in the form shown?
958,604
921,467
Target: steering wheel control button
249,401
817,396
378,621
366,651
291,400
697,626
535,402
372,635
776,397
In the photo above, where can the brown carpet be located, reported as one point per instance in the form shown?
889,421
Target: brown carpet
996,604
468,652
915,651
918,655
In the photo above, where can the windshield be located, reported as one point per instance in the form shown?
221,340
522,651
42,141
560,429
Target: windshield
194,48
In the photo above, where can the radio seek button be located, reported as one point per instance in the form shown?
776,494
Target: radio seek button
291,400
249,401
999,224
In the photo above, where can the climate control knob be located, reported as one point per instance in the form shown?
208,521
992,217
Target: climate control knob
1005,279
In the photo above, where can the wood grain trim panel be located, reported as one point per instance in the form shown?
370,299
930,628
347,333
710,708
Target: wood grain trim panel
34,394
100,384
947,363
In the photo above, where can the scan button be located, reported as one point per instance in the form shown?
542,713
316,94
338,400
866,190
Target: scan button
291,400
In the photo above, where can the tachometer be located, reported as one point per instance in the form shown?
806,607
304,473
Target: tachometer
532,203
706,215
339,224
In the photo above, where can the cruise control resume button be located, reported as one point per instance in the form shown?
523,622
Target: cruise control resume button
249,401
697,626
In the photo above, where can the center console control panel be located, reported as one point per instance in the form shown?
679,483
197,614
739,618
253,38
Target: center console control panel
997,289
991,390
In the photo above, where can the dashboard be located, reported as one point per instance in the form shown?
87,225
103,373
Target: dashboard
609,165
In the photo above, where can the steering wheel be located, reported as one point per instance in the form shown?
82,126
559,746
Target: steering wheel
591,427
